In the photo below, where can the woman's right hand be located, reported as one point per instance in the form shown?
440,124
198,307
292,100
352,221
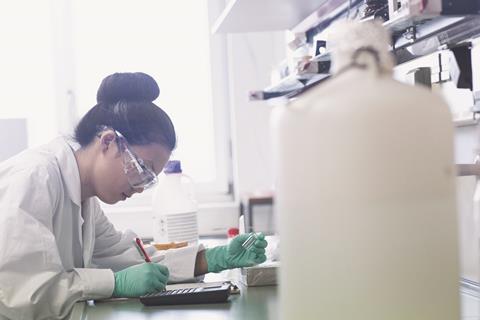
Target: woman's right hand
140,279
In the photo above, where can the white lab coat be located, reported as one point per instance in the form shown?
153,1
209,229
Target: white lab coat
55,249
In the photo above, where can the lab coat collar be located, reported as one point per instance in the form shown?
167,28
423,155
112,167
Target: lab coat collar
68,167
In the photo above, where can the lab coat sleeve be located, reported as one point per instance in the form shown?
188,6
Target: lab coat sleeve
115,249
33,282
181,263
112,249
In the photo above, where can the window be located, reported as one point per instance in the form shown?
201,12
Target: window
171,41
27,73
56,52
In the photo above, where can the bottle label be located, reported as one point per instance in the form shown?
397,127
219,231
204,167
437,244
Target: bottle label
176,227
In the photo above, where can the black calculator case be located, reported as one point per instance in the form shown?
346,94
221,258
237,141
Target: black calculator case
213,294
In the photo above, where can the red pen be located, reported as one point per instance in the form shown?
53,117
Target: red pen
139,245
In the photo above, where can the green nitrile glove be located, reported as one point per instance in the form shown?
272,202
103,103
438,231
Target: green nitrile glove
235,256
140,279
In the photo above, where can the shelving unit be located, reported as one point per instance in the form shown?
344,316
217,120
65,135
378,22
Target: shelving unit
446,25
447,29
311,17
289,87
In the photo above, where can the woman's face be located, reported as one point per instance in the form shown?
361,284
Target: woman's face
110,182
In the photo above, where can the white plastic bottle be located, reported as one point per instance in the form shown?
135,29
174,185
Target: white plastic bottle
365,193
174,206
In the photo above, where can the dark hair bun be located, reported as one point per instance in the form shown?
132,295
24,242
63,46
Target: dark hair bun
136,86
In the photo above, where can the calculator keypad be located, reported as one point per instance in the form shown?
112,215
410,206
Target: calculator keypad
211,294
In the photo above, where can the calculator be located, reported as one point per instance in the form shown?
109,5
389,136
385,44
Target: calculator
212,294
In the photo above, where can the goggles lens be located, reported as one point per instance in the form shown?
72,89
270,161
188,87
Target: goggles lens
138,174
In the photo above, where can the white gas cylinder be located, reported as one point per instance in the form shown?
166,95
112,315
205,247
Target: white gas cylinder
365,193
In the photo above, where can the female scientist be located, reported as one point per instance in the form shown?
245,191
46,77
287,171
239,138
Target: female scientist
57,246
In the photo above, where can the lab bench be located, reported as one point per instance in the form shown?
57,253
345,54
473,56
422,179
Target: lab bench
254,303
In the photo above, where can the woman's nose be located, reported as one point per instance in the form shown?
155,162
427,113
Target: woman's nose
138,190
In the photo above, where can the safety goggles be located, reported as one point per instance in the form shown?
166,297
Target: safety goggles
139,176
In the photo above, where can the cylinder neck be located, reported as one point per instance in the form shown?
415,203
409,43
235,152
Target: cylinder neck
365,58
361,45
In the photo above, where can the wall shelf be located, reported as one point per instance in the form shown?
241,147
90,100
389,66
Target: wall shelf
289,87
263,15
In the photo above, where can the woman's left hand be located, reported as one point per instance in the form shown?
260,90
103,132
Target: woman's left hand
235,255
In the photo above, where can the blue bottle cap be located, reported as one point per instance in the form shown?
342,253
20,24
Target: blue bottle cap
173,166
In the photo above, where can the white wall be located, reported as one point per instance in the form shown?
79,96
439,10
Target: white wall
466,148
251,59
13,137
